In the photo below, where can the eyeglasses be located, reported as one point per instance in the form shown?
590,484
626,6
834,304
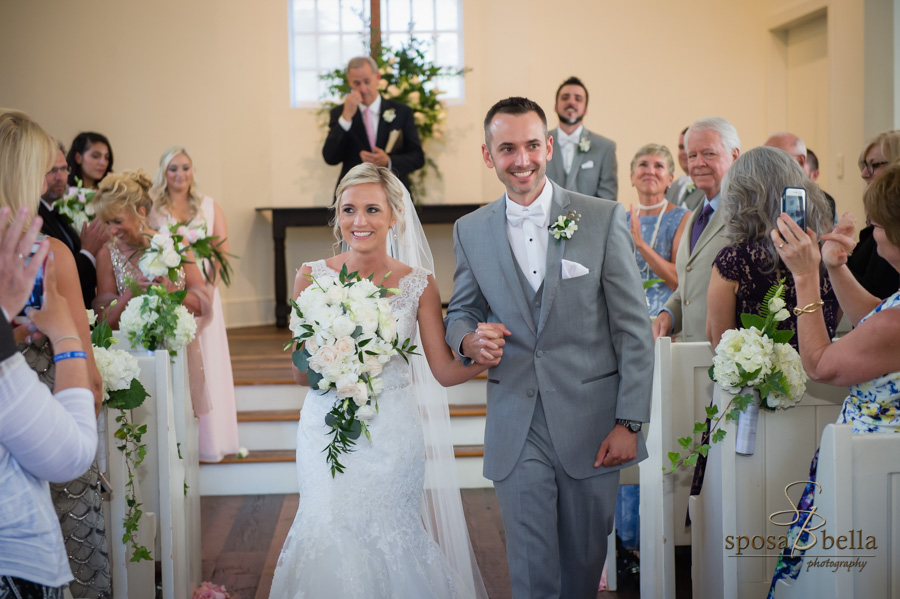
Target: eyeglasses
59,169
869,168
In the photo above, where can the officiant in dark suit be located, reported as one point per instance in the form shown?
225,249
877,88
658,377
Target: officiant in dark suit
84,245
370,128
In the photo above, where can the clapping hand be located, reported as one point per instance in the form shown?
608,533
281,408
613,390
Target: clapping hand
635,226
378,156
839,244
93,236
485,345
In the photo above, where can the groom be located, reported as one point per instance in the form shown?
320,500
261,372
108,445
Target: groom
566,401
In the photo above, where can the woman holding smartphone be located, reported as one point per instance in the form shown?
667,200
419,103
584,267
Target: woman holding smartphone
745,270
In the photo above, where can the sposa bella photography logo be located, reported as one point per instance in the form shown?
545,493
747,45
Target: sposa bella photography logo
816,536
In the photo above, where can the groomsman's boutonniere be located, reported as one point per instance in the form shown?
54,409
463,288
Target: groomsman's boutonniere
689,188
584,145
565,226
389,115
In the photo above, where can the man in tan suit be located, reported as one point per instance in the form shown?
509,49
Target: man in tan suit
712,146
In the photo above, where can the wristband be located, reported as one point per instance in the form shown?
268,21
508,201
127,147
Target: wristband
69,354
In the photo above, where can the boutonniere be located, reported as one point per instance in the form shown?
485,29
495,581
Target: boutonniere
389,115
565,226
584,145
689,188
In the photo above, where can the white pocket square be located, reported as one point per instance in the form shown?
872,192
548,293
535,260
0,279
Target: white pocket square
571,270
588,164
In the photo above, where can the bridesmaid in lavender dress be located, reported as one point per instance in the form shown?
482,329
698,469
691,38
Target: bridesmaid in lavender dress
176,200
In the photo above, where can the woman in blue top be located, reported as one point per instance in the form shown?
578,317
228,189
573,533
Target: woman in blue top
656,225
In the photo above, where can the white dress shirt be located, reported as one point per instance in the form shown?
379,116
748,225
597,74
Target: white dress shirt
568,144
529,240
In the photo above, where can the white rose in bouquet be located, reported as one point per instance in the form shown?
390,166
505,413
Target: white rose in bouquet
361,394
365,316
387,326
325,357
343,326
336,294
170,257
362,289
152,265
365,413
373,365
346,385
345,346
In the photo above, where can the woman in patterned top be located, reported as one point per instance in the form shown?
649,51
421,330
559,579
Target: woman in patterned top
747,268
868,358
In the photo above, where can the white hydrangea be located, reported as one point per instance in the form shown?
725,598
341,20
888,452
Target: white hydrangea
747,347
788,361
134,318
185,330
117,369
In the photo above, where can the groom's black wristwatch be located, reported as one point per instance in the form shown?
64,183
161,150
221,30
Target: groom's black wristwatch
632,425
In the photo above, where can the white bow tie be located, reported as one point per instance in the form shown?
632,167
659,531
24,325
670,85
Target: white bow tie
516,215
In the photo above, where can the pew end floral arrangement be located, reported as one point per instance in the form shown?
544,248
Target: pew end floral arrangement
344,334
123,391
408,77
755,356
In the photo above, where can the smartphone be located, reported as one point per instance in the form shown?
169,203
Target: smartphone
36,299
793,203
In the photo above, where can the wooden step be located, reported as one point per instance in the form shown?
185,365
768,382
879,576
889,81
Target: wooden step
456,411
289,455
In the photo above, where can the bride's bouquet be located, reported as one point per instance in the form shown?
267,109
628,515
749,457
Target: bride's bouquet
344,334
76,206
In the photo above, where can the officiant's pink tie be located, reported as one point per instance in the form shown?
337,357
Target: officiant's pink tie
370,128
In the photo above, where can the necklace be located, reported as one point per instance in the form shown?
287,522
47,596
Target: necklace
646,267
654,206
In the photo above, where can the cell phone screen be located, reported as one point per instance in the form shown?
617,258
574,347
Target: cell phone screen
36,299
793,203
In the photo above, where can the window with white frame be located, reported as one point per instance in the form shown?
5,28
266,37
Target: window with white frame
326,34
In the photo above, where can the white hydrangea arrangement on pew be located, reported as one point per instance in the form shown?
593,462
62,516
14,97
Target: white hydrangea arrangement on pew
344,334
756,357
123,391
155,317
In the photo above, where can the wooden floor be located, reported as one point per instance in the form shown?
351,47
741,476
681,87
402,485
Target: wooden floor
242,537
257,357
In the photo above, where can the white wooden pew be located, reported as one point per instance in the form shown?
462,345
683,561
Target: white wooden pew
681,391
860,480
170,525
741,492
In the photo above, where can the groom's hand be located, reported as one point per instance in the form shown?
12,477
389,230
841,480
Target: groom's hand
485,345
619,447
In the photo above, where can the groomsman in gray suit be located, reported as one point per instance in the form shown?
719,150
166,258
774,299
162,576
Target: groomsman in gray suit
566,318
585,162
712,146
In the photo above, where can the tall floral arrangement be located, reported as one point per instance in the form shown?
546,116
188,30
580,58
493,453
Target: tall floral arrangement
756,356
408,77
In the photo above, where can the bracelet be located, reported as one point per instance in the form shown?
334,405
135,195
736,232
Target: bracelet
69,354
76,338
809,308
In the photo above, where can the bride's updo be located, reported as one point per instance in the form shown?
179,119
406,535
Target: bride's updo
371,173
124,191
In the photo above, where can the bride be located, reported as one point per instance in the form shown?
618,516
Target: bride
392,525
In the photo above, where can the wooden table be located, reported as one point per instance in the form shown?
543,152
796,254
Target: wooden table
282,218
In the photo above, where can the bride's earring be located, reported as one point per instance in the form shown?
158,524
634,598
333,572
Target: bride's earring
394,232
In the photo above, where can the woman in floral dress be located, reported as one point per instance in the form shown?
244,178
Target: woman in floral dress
868,358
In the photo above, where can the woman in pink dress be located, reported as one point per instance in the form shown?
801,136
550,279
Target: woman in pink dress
176,200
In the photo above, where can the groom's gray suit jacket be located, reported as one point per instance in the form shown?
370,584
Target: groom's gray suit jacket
589,352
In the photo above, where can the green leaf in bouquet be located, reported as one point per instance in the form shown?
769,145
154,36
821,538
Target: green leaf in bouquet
783,336
685,442
354,430
752,320
712,372
363,342
300,358
742,401
313,377
712,411
128,399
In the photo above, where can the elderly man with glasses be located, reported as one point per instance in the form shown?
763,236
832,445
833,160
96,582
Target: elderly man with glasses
83,244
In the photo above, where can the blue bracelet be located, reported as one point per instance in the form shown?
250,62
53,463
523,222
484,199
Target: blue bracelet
69,354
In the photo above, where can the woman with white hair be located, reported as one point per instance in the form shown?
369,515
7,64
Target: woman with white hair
176,200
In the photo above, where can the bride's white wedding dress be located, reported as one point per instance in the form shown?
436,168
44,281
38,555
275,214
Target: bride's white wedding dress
361,534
